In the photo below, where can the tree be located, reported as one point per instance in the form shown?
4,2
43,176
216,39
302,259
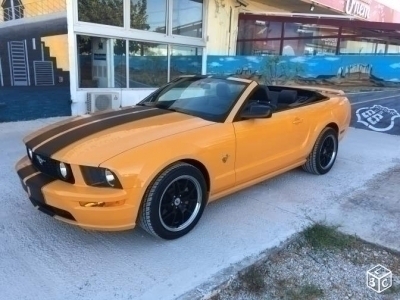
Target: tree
109,12
278,71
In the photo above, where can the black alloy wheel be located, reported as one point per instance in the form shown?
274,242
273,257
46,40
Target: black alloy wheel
174,202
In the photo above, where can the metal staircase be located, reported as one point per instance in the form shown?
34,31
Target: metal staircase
18,63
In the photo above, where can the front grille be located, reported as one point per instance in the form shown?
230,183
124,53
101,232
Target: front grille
49,167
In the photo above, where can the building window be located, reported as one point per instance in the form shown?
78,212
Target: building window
294,30
185,61
101,12
267,47
393,49
187,18
149,15
101,62
318,46
119,66
259,29
12,11
361,46
148,65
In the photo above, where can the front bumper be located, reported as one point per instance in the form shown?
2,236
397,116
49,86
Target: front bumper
61,200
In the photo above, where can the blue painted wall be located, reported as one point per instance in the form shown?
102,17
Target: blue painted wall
27,103
379,67
26,99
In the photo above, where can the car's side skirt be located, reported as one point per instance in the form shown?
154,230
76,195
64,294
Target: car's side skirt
242,186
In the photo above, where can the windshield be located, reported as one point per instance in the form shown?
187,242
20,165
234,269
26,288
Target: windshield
207,98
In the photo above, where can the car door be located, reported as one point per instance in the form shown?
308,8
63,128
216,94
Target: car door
267,145
301,120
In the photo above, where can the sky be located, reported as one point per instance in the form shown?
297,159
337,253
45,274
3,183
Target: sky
395,4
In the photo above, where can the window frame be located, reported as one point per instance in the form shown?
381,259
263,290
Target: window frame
126,32
129,34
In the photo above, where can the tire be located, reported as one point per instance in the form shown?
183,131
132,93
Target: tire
174,202
324,153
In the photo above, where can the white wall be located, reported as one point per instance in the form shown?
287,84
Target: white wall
256,6
219,41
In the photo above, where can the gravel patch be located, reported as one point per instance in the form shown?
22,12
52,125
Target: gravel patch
315,268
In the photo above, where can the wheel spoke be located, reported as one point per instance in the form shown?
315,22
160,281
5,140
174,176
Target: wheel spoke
174,218
169,215
185,187
193,190
167,202
182,213
171,192
176,188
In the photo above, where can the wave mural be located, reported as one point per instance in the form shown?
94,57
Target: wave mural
379,69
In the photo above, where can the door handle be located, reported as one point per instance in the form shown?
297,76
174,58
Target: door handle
297,121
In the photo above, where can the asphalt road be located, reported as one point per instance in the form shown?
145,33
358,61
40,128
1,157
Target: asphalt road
376,111
41,258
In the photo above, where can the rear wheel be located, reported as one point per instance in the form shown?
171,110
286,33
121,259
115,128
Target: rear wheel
174,202
323,155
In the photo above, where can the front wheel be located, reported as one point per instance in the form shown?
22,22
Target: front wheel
174,202
323,154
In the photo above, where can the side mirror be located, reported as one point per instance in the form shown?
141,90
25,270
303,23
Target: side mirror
256,111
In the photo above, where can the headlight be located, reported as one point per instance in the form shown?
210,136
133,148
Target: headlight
100,177
110,178
30,153
63,170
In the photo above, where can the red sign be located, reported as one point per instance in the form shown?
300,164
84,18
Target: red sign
370,10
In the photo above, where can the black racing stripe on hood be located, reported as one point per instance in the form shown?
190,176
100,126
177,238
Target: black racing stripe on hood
26,171
70,125
64,140
35,185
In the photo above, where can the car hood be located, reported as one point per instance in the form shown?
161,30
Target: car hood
94,139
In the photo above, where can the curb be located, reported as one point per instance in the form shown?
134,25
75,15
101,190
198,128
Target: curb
224,278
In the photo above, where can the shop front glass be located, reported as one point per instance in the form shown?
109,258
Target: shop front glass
266,35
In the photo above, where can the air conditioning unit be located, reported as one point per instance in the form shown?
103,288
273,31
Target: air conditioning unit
96,102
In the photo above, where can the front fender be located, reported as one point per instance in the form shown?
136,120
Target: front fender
138,167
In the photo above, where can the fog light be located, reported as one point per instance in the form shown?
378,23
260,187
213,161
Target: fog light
62,168
102,204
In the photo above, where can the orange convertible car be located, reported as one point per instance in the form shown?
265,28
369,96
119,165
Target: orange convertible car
190,142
